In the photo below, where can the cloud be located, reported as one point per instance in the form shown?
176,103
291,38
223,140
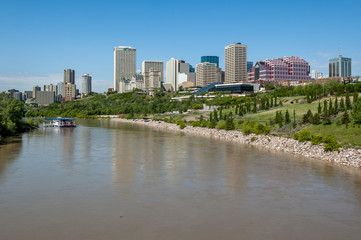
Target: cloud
325,55
25,82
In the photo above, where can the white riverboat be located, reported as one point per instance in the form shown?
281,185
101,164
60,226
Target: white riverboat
59,122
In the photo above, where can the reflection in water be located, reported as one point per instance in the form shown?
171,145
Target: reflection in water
9,152
108,180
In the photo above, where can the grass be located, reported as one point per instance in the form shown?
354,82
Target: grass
346,136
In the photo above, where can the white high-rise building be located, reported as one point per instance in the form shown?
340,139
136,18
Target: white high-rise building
236,63
124,66
86,81
171,73
176,72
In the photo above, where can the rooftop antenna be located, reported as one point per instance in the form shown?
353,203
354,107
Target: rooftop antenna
339,51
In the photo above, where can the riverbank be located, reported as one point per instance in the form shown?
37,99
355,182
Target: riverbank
346,156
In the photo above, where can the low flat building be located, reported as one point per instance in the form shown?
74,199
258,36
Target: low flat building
238,87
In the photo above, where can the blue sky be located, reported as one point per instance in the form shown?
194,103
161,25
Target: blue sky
41,38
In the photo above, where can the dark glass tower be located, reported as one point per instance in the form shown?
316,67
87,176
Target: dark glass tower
210,59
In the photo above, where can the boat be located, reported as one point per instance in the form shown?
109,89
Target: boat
59,122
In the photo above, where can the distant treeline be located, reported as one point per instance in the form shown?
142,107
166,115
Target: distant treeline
125,103
133,103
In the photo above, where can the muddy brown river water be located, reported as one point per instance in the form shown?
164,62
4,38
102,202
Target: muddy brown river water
111,180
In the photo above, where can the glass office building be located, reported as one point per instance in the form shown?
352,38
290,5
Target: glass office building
340,67
210,59
249,66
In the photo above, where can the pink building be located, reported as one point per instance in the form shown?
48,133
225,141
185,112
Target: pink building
280,69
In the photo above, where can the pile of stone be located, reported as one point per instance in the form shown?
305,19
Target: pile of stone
346,156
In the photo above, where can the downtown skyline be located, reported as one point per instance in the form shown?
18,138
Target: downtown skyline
36,49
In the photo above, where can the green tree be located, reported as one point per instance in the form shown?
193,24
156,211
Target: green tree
342,105
345,118
229,122
348,102
325,106
254,110
356,111
319,110
287,117
355,97
330,107
294,118
336,110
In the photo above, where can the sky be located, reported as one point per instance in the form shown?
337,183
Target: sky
39,39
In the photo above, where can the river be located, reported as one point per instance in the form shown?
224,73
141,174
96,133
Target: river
111,180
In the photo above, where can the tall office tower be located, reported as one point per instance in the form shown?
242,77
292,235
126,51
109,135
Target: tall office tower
177,72
68,92
206,73
236,63
210,59
124,66
249,66
69,76
36,89
340,67
172,73
86,81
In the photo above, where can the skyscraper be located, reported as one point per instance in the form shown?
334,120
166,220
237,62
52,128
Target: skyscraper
340,67
206,73
177,71
124,66
172,72
86,86
210,59
69,76
236,63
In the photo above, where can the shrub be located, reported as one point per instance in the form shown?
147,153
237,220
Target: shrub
330,143
229,123
303,136
316,139
247,128
212,124
204,123
261,129
221,125
253,139
195,123
182,125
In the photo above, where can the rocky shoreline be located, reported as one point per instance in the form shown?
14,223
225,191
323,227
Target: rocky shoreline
346,156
